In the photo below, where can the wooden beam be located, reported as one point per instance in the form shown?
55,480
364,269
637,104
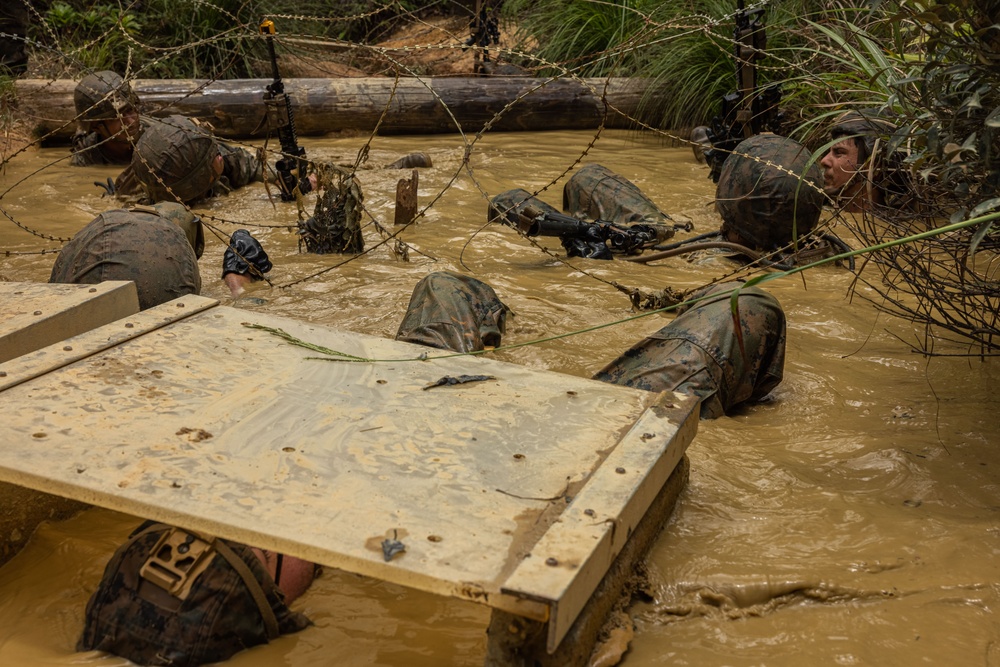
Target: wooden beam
235,108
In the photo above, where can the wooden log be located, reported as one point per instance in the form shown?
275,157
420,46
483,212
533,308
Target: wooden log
235,108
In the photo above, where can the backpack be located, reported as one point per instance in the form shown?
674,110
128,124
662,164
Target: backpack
172,597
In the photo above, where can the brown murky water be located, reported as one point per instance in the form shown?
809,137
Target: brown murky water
852,519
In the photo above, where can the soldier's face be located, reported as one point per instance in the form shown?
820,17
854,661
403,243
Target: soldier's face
124,128
840,164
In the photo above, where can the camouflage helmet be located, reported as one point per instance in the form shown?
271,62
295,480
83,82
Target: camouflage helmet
768,192
863,125
102,96
180,154
171,597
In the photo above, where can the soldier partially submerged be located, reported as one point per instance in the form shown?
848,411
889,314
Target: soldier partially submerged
704,352
859,173
177,160
156,247
107,112
174,597
769,197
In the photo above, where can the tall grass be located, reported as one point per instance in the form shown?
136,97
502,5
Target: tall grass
685,48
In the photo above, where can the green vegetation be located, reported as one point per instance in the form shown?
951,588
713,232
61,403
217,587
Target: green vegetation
193,38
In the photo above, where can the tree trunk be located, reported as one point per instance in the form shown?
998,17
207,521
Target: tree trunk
235,108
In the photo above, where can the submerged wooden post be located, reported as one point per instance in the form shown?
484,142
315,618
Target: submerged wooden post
406,199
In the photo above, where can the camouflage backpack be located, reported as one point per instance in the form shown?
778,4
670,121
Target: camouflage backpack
597,193
172,597
769,193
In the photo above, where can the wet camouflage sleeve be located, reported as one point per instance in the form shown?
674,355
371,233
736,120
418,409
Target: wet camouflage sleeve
142,247
699,352
241,166
127,183
453,312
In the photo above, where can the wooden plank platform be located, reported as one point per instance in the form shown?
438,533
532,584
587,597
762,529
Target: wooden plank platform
34,315
184,414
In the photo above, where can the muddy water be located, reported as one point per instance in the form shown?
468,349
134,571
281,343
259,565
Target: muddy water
851,519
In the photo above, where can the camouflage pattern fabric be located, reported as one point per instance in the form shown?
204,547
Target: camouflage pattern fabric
179,153
134,618
766,194
335,225
453,312
131,245
183,217
699,352
597,193
87,151
240,168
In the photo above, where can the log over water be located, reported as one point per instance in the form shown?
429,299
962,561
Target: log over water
235,107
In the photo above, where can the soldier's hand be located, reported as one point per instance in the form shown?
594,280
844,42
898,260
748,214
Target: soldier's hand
108,187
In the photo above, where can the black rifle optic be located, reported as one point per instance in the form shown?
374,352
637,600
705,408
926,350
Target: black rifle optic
292,168
596,240
745,111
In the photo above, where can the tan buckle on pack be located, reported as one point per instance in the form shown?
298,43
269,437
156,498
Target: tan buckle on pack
177,560
142,208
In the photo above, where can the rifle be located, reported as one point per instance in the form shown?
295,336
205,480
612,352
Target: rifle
594,240
745,111
292,166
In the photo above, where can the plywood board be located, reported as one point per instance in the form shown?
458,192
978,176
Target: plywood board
197,419
34,315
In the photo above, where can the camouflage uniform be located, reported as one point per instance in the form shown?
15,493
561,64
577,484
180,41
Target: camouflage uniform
180,153
233,604
698,353
99,96
142,245
597,193
453,312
